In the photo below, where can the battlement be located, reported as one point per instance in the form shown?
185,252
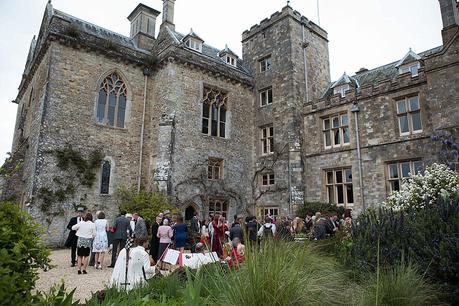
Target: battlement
277,16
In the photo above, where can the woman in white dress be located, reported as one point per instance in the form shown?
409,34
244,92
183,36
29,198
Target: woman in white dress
100,244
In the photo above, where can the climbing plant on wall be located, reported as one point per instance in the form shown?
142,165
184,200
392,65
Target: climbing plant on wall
77,171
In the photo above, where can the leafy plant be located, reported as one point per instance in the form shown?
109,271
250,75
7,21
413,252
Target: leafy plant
57,296
21,254
145,203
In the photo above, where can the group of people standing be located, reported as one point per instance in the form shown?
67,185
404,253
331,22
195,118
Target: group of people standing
212,234
89,239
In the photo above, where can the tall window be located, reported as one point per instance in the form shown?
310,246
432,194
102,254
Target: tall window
215,169
267,179
111,104
266,96
267,140
399,170
217,206
409,116
339,187
214,112
105,178
336,131
265,64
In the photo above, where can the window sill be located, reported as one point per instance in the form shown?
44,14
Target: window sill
110,127
345,146
105,195
215,137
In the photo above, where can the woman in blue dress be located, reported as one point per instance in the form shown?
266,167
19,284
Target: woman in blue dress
180,234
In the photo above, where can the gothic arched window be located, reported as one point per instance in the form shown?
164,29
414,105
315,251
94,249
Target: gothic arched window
105,178
111,103
214,112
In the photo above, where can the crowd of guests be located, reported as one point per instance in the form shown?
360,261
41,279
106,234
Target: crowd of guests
90,239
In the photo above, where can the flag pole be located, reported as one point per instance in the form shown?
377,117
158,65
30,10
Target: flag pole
318,13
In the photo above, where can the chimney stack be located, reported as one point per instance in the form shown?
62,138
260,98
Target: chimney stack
143,24
450,17
168,13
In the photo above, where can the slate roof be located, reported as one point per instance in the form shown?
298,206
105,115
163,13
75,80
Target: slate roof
98,31
376,75
210,52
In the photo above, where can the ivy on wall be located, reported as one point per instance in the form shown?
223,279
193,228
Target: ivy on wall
76,171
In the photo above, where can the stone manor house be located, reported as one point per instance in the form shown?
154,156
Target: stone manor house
215,132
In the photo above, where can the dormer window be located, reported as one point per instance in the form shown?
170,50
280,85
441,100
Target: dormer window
228,56
344,84
193,41
341,90
412,68
194,44
230,60
409,63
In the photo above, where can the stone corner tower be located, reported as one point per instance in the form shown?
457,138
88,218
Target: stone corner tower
288,57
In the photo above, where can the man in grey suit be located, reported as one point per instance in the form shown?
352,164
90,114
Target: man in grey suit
140,230
122,230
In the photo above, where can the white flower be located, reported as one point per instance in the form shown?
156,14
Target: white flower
417,191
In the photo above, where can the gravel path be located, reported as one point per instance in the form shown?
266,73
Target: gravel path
85,284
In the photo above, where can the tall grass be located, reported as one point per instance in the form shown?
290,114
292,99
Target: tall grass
401,285
280,274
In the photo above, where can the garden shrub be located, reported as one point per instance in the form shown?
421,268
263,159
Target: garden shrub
428,237
145,203
313,207
21,254
421,190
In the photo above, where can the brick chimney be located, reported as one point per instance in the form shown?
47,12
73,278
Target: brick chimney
168,14
143,24
450,17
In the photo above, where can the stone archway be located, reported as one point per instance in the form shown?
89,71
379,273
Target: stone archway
189,212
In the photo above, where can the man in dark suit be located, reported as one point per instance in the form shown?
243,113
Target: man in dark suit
72,239
195,229
331,224
154,242
122,231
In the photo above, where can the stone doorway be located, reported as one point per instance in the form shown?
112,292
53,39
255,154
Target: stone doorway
189,212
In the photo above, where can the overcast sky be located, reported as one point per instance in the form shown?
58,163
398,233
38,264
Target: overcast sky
362,33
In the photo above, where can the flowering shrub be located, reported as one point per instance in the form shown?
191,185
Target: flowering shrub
417,191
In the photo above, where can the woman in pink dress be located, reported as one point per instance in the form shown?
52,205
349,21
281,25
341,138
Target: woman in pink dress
165,234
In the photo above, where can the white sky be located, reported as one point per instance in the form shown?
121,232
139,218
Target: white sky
362,33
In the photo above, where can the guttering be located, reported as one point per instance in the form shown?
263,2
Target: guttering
304,44
146,73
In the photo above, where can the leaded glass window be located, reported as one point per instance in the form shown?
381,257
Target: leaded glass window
111,103
214,112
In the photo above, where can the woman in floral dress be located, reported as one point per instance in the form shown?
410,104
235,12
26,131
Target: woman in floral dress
100,245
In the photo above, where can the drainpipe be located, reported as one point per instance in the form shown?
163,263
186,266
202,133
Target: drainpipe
146,73
355,110
304,44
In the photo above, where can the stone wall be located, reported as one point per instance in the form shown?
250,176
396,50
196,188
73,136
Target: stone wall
69,119
182,150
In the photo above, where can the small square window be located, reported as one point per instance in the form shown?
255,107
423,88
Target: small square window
265,64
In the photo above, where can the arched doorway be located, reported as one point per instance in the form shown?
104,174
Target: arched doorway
189,212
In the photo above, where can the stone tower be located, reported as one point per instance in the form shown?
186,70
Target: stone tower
288,57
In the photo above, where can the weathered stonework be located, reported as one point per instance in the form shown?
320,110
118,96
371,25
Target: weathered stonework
162,147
